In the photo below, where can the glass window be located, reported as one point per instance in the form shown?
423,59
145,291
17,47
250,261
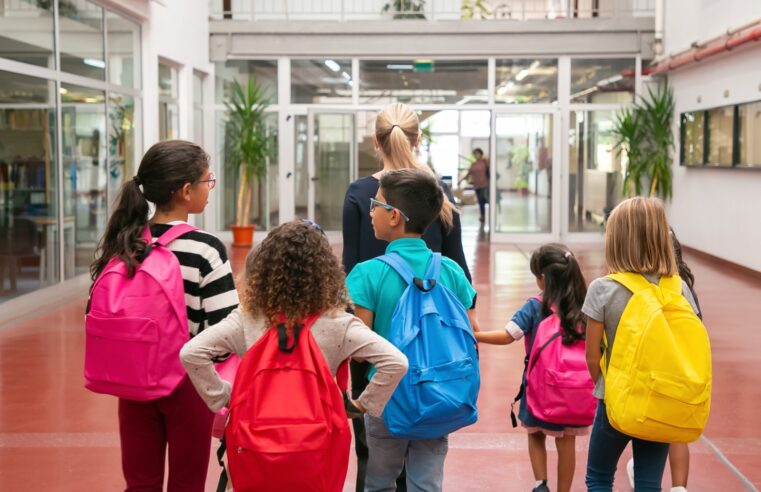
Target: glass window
321,81
81,37
121,141
521,81
169,107
423,81
29,232
693,128
198,107
123,50
720,136
26,32
265,72
83,113
595,170
749,134
604,81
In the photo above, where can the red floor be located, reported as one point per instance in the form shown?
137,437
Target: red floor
56,436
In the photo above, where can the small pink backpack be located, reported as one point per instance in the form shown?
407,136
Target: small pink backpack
135,326
558,385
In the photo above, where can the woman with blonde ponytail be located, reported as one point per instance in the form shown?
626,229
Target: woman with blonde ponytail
397,135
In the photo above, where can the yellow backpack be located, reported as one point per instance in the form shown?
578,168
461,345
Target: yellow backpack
658,380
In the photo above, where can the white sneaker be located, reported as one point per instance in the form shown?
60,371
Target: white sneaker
630,472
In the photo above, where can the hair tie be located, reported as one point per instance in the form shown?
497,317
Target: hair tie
567,254
137,180
394,125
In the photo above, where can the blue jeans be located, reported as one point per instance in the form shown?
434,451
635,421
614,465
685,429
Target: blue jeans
605,447
424,460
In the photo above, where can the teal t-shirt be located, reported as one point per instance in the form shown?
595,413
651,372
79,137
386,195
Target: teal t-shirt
377,287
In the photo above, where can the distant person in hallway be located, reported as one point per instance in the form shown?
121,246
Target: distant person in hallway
174,175
406,203
295,273
479,179
637,240
563,288
397,135
679,453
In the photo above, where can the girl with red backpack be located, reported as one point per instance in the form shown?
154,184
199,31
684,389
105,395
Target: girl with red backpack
553,327
162,410
287,428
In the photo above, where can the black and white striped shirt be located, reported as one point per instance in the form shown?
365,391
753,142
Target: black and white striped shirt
207,276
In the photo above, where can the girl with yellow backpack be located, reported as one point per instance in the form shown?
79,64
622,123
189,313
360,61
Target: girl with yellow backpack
654,383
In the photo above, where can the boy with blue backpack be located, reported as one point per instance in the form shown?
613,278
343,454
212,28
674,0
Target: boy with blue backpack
424,305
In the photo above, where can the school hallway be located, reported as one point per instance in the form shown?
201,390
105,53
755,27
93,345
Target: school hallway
57,436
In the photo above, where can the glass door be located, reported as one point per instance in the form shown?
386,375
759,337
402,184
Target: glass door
524,176
331,164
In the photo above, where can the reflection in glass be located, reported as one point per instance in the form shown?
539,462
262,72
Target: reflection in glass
83,113
693,141
198,108
81,35
265,72
595,170
300,171
368,160
29,232
720,127
423,81
333,140
607,81
522,81
121,141
523,169
321,81
123,50
750,134
26,32
169,106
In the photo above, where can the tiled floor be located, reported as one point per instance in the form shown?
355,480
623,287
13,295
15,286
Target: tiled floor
56,436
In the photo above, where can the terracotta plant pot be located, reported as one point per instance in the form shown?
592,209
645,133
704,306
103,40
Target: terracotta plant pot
243,236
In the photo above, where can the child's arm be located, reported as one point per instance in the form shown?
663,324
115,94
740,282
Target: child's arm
365,315
494,337
595,330
473,320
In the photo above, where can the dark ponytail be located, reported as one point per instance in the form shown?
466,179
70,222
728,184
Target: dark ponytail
564,288
165,168
684,270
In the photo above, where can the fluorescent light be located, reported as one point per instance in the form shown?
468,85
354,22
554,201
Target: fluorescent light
64,90
331,64
346,75
534,65
522,75
400,67
95,63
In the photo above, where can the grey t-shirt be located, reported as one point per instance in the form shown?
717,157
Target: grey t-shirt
605,302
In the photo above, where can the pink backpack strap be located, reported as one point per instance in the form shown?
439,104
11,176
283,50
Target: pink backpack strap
174,232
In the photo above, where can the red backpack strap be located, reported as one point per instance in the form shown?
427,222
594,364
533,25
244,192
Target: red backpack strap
342,376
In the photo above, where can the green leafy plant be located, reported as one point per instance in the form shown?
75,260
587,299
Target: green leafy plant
644,134
406,9
247,145
472,9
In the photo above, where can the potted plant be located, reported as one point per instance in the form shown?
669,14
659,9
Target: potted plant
406,9
247,149
644,134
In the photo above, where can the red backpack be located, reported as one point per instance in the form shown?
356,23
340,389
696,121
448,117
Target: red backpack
288,428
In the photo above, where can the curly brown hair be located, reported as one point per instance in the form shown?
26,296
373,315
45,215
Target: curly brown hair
293,272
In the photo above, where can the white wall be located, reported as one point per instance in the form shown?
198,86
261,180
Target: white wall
716,210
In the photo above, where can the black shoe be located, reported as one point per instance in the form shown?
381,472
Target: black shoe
542,487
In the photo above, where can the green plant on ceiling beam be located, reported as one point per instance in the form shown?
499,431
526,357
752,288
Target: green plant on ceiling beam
472,9
247,146
405,9
643,132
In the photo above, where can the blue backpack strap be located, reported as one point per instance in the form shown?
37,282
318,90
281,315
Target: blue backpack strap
434,268
174,232
395,261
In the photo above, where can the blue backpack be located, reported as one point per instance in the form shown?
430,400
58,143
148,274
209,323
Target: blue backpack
431,327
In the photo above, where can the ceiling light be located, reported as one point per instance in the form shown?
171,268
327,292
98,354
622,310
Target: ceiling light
331,64
64,90
394,66
534,65
346,75
522,75
95,63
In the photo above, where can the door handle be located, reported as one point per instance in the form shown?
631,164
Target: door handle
288,175
315,178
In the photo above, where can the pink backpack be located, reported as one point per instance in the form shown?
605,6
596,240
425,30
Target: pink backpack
135,327
558,385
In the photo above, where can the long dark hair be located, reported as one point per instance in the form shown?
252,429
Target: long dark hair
564,288
684,270
165,168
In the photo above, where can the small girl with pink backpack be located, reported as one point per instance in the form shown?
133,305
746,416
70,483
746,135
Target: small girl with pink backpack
556,391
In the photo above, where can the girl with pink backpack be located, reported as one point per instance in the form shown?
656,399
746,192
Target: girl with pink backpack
556,397
158,283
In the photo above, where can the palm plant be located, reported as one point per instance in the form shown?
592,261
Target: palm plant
644,134
247,146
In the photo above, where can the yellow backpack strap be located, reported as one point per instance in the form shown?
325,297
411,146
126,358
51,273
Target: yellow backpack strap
672,284
635,282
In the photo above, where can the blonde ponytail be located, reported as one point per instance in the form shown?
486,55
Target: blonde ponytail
397,131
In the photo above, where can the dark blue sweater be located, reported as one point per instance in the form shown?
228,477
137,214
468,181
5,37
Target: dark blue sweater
360,243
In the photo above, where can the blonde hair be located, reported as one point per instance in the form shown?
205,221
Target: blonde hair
637,238
397,131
